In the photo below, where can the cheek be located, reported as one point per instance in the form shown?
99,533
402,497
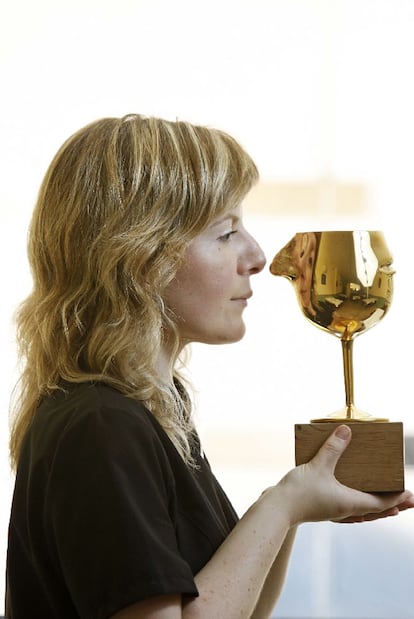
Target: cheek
197,293
215,282
204,280
207,289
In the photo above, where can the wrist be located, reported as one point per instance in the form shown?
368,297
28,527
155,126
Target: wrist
278,500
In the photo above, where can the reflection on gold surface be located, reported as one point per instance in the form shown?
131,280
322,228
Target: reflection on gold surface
343,282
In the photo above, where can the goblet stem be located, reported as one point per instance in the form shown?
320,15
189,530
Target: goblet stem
349,412
347,350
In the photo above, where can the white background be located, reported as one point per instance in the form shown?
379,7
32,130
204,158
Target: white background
315,90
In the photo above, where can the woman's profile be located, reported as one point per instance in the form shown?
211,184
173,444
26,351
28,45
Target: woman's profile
137,248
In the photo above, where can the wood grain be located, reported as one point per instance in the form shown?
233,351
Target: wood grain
373,461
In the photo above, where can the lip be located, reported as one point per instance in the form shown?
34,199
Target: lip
243,297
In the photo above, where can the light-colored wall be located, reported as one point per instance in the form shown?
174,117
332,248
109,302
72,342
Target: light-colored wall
319,91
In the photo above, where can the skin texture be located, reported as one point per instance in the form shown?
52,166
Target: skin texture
212,287
244,577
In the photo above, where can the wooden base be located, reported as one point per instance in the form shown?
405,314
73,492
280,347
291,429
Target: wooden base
372,462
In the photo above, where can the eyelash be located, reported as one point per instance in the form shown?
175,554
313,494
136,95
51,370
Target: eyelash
226,237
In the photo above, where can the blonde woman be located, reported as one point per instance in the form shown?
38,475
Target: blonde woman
138,248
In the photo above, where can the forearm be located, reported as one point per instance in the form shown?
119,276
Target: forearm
245,575
231,583
275,579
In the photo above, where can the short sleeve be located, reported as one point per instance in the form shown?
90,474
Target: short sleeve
111,511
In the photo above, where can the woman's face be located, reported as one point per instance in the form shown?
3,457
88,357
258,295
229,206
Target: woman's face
212,286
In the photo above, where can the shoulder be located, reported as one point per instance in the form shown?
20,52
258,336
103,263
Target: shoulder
86,397
89,403
92,421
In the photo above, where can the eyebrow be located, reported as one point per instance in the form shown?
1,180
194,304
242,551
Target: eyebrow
226,216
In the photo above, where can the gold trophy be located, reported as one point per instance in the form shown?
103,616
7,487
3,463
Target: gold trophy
343,281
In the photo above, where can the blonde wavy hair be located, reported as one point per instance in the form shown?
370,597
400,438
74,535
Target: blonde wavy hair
119,204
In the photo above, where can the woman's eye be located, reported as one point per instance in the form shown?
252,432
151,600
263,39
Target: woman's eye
226,237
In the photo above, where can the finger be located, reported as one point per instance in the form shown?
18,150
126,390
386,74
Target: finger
360,519
398,497
403,506
394,511
402,500
407,501
333,448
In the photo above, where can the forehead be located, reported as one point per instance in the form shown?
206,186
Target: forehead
231,214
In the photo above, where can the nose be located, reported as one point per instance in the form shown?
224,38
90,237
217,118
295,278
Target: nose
254,259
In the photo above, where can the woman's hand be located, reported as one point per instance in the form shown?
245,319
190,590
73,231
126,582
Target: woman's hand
260,543
313,493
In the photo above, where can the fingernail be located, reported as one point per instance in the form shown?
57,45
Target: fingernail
343,432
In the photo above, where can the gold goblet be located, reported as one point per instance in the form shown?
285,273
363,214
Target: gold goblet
343,282
344,286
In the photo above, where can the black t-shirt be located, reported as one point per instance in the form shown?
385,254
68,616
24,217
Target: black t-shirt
105,512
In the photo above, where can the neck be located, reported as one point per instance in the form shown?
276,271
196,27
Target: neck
166,362
164,367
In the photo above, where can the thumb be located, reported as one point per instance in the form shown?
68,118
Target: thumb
334,446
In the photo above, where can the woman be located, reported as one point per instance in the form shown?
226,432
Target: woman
138,248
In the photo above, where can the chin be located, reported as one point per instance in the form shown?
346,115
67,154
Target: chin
230,337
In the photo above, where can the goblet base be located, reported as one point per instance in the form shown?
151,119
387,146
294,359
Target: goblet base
348,414
372,462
